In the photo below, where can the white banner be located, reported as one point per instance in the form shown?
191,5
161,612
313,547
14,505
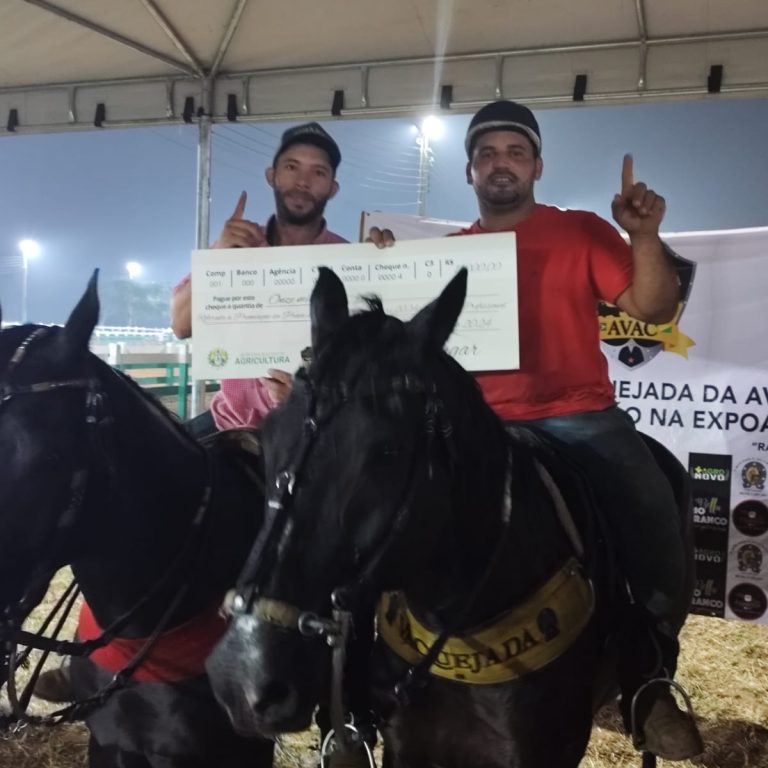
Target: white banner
250,306
699,386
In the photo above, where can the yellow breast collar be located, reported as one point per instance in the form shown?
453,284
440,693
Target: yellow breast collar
523,640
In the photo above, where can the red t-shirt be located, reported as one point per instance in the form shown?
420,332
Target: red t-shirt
566,261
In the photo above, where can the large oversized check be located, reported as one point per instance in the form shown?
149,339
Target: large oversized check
250,306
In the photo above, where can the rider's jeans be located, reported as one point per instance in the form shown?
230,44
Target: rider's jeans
638,504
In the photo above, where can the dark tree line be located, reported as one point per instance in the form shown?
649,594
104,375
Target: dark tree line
130,302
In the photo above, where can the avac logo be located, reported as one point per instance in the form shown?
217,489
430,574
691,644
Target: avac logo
634,343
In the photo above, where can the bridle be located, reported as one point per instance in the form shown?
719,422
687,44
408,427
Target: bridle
98,422
278,526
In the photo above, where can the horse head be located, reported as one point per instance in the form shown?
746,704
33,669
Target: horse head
370,466
42,441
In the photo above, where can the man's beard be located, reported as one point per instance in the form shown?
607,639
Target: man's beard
285,214
509,196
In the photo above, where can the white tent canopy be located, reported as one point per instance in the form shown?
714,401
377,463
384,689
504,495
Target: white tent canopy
71,63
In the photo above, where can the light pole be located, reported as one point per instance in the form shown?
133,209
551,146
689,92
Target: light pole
431,128
30,249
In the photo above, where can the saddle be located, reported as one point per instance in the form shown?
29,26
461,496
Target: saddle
240,449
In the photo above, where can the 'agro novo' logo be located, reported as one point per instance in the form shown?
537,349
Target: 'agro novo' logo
710,473
218,357
634,343
753,475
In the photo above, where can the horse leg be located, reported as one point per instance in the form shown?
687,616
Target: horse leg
98,757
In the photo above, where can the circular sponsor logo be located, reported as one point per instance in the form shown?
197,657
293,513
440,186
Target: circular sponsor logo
751,518
748,601
753,476
749,558
218,357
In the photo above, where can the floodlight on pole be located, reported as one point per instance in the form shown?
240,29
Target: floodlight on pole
30,249
134,269
432,127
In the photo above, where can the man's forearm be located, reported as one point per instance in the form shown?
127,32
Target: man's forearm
181,311
654,292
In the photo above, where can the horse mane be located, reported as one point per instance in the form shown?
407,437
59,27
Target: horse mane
385,343
362,329
152,400
374,345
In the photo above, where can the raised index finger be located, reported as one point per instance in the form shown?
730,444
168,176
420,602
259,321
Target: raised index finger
240,207
627,175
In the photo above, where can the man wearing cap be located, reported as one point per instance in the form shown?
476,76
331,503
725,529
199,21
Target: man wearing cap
303,179
567,262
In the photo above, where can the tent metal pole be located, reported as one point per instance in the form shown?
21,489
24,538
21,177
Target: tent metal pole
205,131
229,33
173,35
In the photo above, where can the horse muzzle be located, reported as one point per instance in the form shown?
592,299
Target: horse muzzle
267,678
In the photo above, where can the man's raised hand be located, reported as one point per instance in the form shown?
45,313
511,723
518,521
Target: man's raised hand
637,209
238,232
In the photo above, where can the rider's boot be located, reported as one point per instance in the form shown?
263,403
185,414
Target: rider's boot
657,724
55,685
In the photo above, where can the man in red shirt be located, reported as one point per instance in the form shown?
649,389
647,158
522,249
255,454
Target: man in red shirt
567,261
303,178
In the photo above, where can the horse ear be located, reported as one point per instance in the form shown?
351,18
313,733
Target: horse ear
328,308
435,323
84,317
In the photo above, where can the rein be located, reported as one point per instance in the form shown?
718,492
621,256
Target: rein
97,417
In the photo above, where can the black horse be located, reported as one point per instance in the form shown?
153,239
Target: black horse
388,472
97,474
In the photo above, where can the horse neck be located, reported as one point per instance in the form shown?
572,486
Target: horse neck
140,505
503,539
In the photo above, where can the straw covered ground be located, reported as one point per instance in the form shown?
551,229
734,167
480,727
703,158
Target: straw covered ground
724,667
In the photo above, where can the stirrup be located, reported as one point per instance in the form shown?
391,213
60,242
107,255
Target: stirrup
329,745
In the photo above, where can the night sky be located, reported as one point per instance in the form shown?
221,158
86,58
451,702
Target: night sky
101,198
